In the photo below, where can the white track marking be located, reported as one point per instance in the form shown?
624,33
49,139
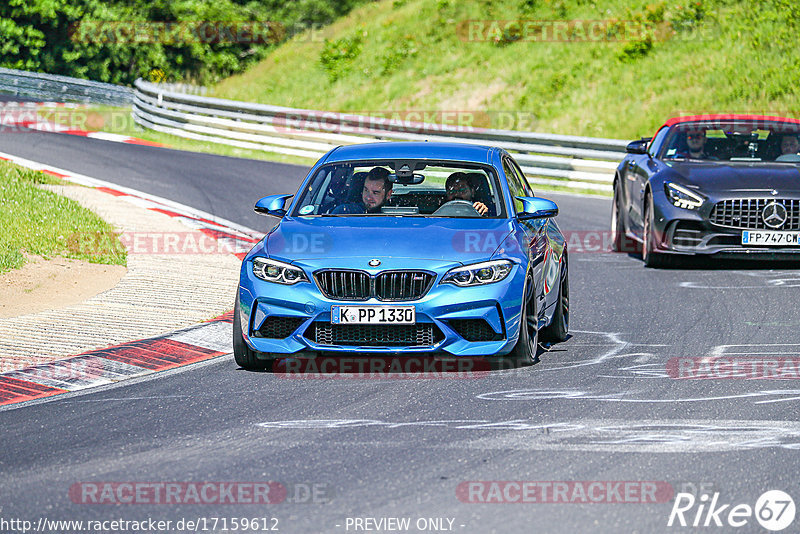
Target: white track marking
529,395
617,346
613,435
722,350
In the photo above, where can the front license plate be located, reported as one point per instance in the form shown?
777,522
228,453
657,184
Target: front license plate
373,314
767,237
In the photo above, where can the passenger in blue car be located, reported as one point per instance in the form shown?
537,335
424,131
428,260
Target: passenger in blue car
376,192
459,187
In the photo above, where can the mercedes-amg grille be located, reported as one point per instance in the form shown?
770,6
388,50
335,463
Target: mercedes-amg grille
388,285
747,213
374,335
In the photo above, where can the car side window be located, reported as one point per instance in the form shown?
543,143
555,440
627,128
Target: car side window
514,184
523,180
655,144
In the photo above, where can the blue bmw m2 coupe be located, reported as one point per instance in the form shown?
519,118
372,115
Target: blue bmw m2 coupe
405,249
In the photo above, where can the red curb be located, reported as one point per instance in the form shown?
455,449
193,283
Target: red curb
112,191
13,390
175,214
226,317
52,173
159,354
136,141
218,234
150,355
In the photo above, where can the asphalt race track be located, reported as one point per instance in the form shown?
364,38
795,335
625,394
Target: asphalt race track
601,406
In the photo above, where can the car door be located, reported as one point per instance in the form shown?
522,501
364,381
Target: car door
554,244
635,176
535,230
640,169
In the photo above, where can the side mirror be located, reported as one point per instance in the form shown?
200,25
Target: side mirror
272,205
637,147
537,208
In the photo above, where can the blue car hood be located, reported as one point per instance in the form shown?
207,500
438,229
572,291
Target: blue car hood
743,177
334,241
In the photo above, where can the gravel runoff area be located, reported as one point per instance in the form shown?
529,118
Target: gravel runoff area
160,292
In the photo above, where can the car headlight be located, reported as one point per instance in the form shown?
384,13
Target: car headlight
477,274
278,272
682,197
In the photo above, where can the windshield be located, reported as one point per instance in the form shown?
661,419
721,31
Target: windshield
402,188
742,141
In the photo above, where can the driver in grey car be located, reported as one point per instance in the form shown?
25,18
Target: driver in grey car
790,145
459,187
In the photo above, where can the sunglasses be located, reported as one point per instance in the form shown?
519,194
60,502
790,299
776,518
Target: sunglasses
458,189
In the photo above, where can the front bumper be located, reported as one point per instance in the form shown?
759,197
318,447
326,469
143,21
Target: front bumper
684,237
301,311
689,232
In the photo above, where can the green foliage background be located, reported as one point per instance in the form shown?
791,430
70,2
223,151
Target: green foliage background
38,35
702,56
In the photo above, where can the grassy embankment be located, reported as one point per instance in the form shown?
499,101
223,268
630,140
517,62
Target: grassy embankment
38,222
705,56
700,57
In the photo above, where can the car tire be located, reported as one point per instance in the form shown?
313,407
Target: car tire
558,329
525,351
617,227
650,257
243,355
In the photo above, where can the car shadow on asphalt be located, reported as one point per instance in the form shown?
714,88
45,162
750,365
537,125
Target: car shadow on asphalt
369,366
700,263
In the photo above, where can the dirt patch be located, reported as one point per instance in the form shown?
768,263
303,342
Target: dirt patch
48,284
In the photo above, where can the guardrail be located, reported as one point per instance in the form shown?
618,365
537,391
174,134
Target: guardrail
52,88
570,161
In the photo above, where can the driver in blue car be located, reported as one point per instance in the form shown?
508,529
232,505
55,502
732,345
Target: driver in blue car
375,194
459,187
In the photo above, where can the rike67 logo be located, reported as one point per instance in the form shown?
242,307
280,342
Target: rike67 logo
774,510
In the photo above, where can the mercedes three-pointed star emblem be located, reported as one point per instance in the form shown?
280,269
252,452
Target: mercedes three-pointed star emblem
774,214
